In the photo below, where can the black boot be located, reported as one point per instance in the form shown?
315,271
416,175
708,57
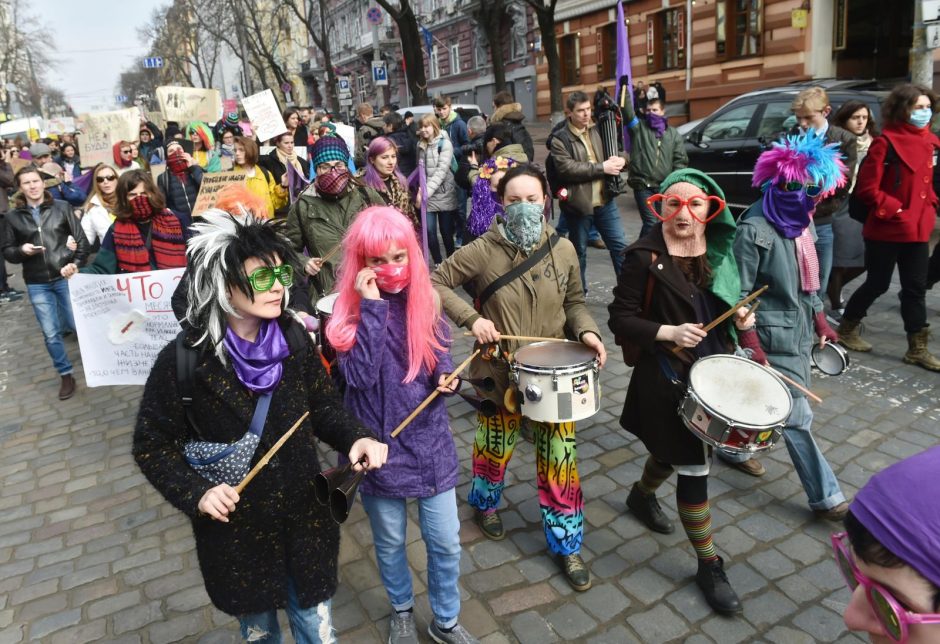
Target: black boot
713,581
646,508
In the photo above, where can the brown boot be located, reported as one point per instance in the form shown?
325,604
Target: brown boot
67,388
849,336
917,351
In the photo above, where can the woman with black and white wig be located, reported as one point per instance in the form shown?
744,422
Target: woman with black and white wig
249,366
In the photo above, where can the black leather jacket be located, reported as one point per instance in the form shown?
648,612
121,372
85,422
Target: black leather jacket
57,222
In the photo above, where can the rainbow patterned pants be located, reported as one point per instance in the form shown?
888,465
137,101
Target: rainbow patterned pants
560,498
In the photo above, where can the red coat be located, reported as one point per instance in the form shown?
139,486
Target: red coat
902,209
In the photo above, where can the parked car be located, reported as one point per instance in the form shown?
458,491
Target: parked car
726,143
465,110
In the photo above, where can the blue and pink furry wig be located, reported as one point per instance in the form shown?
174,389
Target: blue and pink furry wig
801,157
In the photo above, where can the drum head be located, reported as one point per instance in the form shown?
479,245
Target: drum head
325,303
831,359
740,390
563,353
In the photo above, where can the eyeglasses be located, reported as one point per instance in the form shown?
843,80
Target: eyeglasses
812,190
672,205
262,279
110,177
893,617
125,151
326,167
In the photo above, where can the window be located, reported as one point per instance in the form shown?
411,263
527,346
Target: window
738,25
608,51
361,84
729,125
433,64
777,118
665,34
569,50
455,58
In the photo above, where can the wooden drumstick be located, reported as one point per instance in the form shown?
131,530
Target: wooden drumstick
331,252
727,314
523,338
796,385
271,452
435,393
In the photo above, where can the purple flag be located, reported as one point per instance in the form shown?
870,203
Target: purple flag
624,72
418,181
296,183
83,182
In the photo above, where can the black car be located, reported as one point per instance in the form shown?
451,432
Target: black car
726,143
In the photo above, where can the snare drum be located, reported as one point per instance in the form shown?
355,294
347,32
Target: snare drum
557,381
324,312
832,359
735,404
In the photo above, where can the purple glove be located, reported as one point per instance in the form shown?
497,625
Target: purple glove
823,330
750,343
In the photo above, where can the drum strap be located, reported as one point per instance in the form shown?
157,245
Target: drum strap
503,280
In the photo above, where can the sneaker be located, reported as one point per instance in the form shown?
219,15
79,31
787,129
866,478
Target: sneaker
401,628
713,581
836,513
457,635
491,525
577,573
751,466
646,508
11,295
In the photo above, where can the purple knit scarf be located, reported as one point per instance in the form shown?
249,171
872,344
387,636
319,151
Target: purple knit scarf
258,364
657,123
484,207
787,212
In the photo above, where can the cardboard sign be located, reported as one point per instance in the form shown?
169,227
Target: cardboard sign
60,125
229,105
187,104
123,322
209,189
264,114
101,130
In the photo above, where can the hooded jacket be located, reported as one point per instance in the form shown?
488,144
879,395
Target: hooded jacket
546,301
456,129
407,150
442,190
652,158
155,143
512,115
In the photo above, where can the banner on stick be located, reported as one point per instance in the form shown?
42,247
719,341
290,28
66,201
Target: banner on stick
101,130
187,104
265,117
209,189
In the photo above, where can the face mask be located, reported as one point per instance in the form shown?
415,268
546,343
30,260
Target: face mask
333,182
921,117
176,163
523,223
141,210
392,278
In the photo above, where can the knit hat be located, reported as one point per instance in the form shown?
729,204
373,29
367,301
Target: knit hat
685,236
39,150
231,119
329,148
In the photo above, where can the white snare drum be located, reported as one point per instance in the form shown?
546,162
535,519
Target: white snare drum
557,381
735,404
324,312
832,359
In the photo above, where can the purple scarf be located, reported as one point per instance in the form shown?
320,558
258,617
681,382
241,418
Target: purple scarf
258,364
787,212
657,123
484,207
900,511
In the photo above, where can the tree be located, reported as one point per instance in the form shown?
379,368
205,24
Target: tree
545,15
190,53
404,17
490,16
136,81
315,19
25,56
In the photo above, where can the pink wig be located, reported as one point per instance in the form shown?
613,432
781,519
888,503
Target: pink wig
802,157
373,232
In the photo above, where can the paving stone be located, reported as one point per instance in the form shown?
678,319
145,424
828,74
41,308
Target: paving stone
41,628
176,629
646,585
570,621
603,601
728,630
660,624
515,601
531,628
136,617
690,603
489,554
771,564
825,625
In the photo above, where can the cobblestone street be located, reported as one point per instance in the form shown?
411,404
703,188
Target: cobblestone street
90,552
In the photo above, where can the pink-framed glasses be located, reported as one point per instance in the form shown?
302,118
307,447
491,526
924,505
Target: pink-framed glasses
894,618
672,205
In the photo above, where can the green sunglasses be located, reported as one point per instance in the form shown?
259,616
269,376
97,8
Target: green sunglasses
262,279
811,189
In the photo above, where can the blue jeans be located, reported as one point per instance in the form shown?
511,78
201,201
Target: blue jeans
53,311
824,241
446,218
562,228
647,216
819,482
440,529
312,625
607,220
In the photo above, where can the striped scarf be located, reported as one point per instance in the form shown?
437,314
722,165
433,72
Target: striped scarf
165,238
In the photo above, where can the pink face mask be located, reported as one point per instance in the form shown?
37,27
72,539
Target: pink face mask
392,278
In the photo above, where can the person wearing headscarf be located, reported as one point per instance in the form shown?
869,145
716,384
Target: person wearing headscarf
774,246
204,152
123,156
181,180
318,220
889,554
676,279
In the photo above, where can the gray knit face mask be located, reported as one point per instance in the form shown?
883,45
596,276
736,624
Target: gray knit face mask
524,221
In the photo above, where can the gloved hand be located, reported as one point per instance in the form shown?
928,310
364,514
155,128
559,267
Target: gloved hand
823,330
751,344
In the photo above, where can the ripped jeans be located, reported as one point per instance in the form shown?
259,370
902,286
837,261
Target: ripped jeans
312,625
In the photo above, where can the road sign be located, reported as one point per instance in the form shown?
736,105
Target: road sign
931,10
344,88
379,73
120,98
153,62
374,16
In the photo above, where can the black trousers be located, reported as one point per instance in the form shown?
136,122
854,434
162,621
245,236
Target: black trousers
933,269
881,257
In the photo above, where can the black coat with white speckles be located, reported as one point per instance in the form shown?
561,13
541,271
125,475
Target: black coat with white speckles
277,528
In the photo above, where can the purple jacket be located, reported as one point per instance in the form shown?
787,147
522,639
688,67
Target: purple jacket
422,459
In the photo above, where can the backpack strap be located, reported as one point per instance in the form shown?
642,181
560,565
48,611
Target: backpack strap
503,280
187,359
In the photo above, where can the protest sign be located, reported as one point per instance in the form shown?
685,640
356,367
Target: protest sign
123,321
101,130
348,134
209,189
264,115
60,125
187,104
229,106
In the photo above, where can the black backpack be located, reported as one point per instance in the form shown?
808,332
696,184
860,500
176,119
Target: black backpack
555,182
858,209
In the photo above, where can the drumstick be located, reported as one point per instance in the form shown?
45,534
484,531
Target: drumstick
727,314
794,383
434,394
271,452
523,338
331,252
